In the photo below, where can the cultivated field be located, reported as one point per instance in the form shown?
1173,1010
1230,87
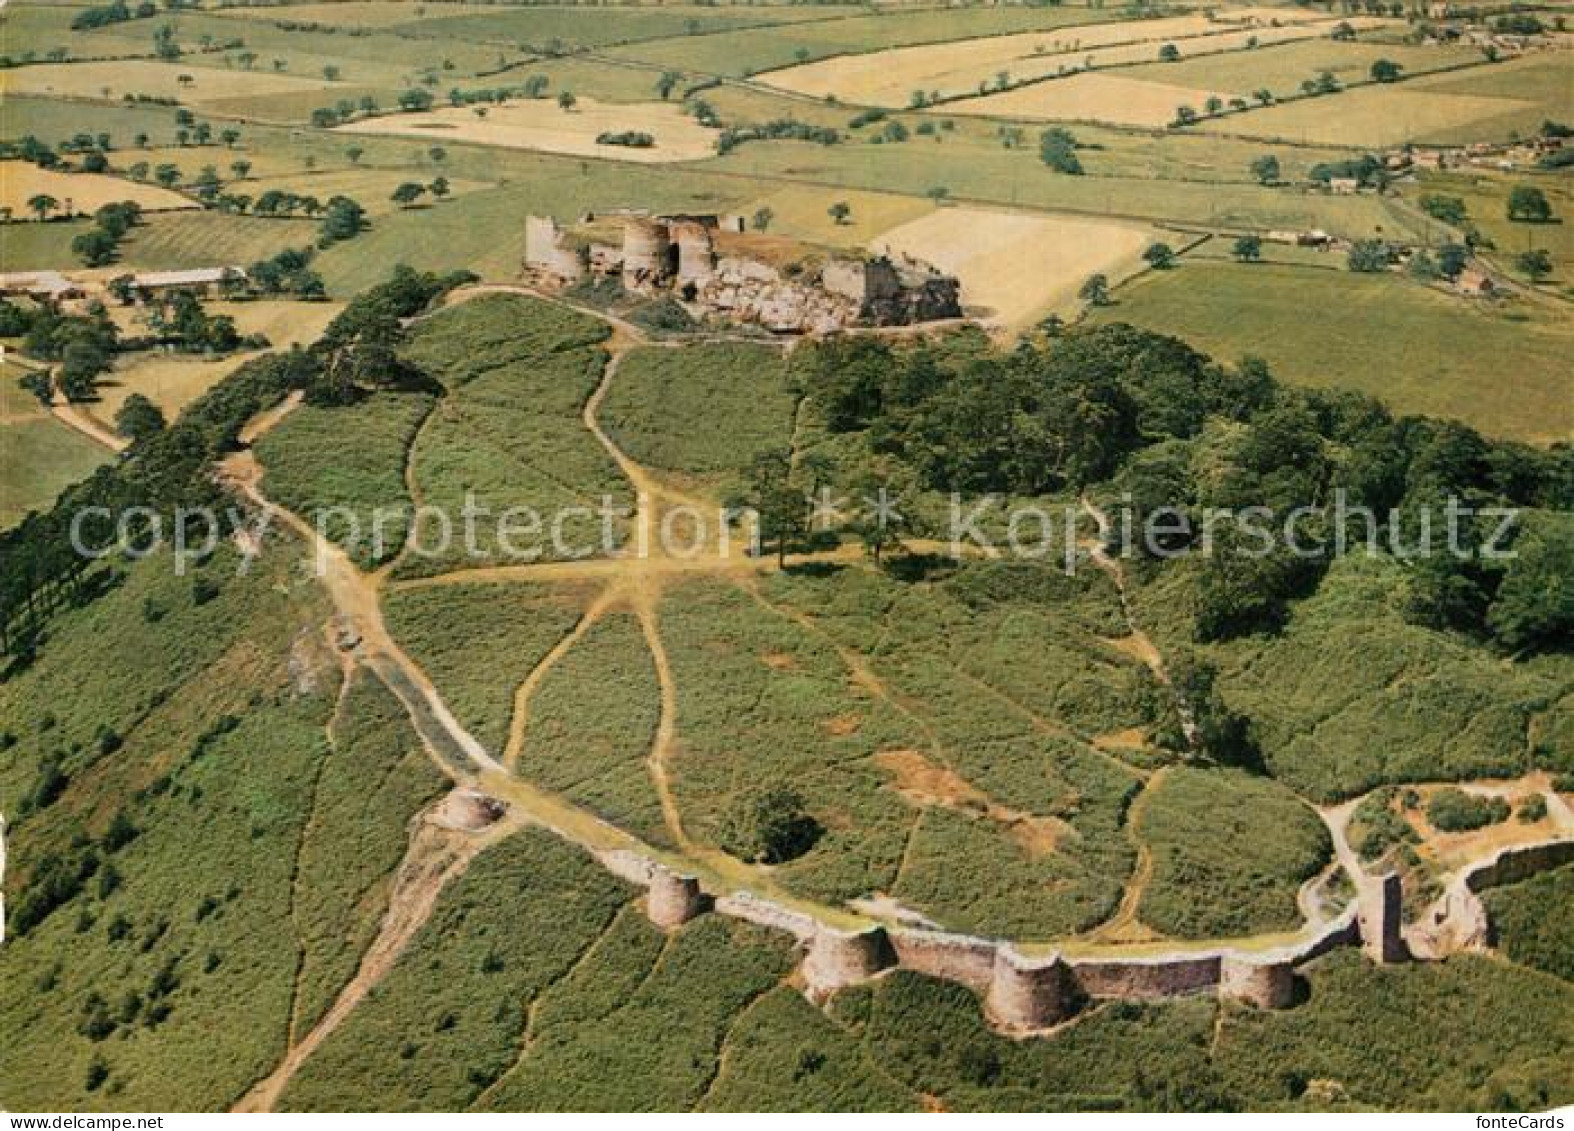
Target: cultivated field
1282,68
1090,97
1014,266
77,193
543,124
39,456
888,78
1378,115
109,81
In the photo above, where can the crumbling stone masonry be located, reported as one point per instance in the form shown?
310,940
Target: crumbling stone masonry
1029,993
685,257
1264,984
840,958
1380,905
673,899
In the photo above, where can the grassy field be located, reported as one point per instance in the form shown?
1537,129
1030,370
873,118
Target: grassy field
39,456
1533,921
1116,98
590,725
509,433
110,81
1485,194
1420,350
478,642
321,461
702,412
1203,885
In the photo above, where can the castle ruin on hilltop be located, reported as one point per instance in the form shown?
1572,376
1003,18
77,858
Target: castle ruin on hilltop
711,265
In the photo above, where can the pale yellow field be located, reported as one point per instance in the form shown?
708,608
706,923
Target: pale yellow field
1378,115
541,124
172,381
889,78
1091,97
20,181
110,80
801,212
1015,267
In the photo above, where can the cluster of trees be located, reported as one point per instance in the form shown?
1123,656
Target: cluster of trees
81,346
634,139
97,246
1057,148
779,129
118,12
287,273
407,193
183,323
1114,408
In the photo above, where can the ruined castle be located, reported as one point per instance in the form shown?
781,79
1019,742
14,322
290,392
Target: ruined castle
712,266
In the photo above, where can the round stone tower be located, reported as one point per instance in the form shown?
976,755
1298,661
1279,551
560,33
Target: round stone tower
648,253
839,958
672,900
1266,985
1028,993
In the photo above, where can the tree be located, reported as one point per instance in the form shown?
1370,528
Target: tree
240,168
666,83
762,219
882,514
229,135
438,154
1534,605
1213,104
139,418
839,212
167,175
81,362
1159,256
778,506
1169,53
415,100
1247,249
95,248
1451,260
1184,116
566,100
331,73
408,193
1266,169
1448,209
1095,291
1368,257
1535,264
354,153
1529,204
1057,148
439,187
1386,70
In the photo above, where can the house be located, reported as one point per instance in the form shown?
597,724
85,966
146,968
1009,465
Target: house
1437,10
1344,186
205,282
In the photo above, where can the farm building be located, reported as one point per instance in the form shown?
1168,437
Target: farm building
1475,282
201,281
45,286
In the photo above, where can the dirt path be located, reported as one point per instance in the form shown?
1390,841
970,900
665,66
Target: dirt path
519,721
1137,643
436,855
1124,925
73,417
